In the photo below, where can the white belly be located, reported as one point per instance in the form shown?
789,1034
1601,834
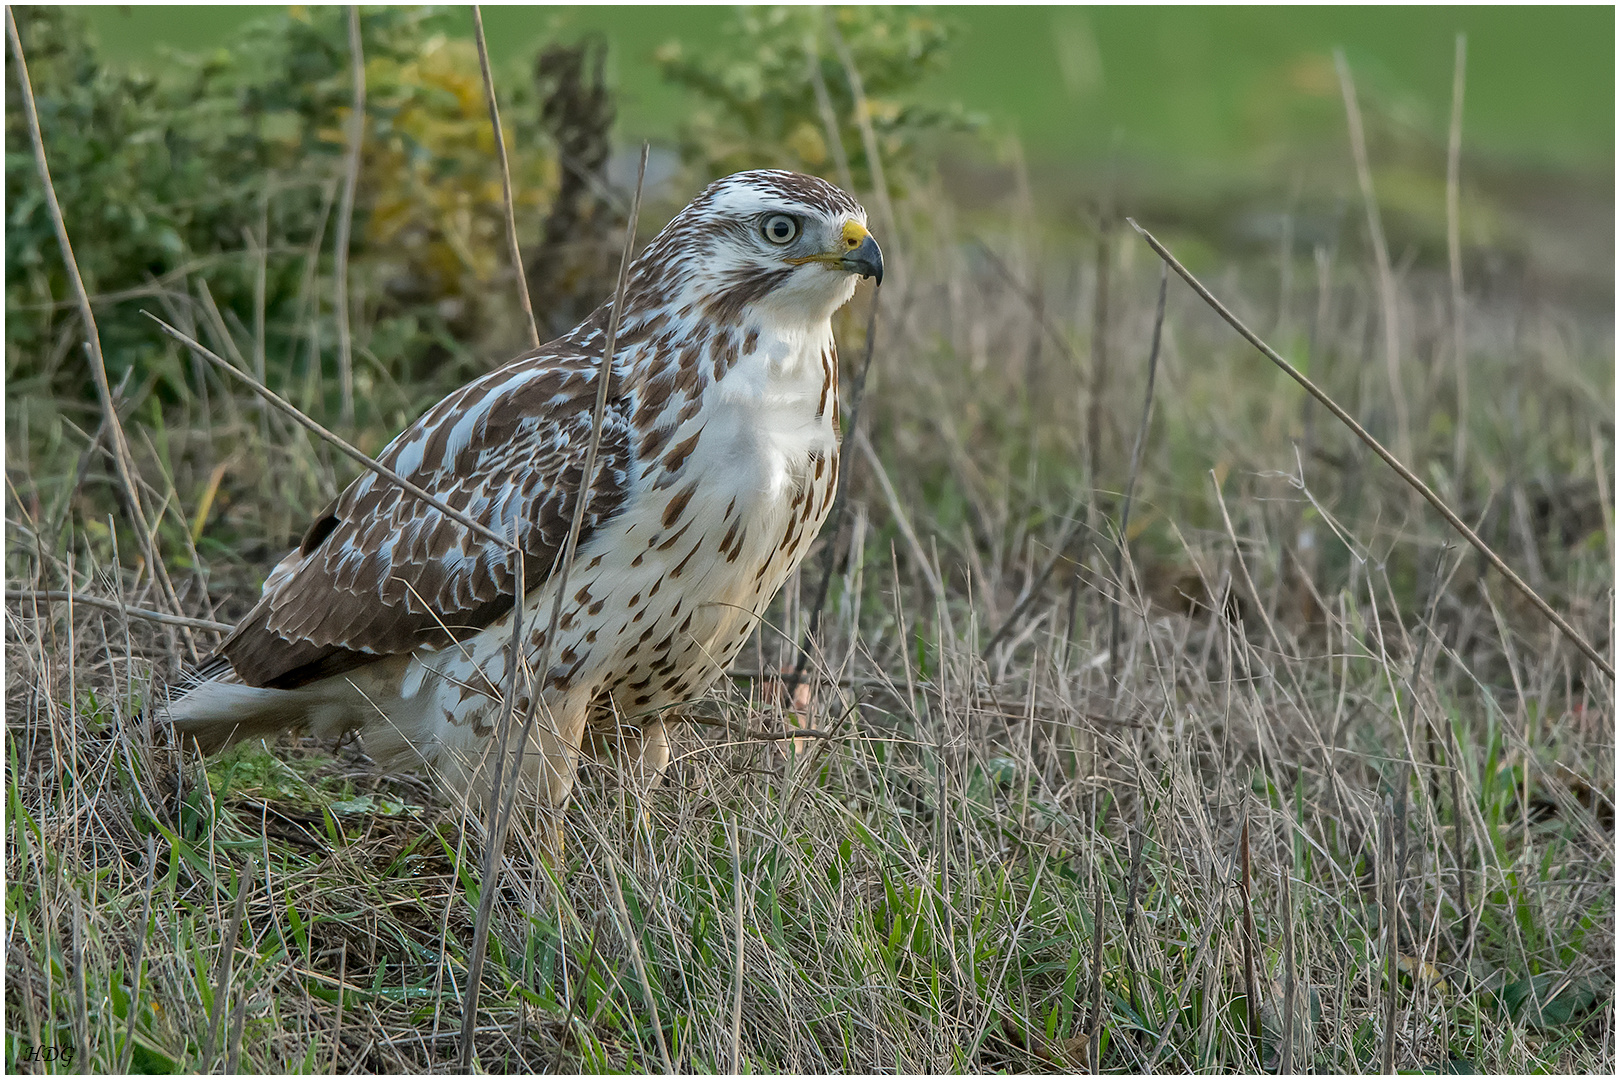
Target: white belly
661,598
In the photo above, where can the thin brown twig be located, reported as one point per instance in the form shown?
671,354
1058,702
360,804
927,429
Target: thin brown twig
351,182
1459,843
1133,880
122,458
24,596
81,1008
506,178
337,1026
1378,448
604,380
342,444
233,1043
493,808
598,415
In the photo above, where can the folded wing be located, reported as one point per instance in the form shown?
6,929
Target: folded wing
380,572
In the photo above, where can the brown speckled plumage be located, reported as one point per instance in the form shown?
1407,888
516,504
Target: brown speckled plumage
716,467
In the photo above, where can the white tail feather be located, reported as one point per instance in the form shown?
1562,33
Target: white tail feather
217,714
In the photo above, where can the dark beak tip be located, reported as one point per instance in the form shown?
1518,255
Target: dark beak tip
866,260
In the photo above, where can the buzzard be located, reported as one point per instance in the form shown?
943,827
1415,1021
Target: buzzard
715,469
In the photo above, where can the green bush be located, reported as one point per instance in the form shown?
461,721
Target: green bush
170,180
757,99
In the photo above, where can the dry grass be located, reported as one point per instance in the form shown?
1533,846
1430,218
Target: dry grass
1342,771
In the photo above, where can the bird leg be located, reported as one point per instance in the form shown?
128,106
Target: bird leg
637,753
545,765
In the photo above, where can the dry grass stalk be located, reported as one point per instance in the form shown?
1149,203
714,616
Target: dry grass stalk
506,178
337,1025
59,595
1096,410
1387,298
1390,459
924,564
81,994
737,919
1459,337
218,1006
258,243
335,440
1037,309
127,1052
495,835
98,365
874,158
1391,914
1094,1017
1285,1063
631,934
503,789
829,118
840,507
1122,549
351,182
931,891
1251,988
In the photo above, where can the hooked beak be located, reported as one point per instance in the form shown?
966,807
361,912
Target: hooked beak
866,260
856,253
861,254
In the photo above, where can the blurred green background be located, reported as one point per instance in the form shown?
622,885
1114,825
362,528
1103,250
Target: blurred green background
1221,88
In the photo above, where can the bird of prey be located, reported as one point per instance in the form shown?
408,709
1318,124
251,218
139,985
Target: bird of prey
715,469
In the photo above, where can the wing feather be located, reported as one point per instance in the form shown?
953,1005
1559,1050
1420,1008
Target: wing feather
381,573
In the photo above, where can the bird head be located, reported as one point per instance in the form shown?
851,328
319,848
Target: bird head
784,241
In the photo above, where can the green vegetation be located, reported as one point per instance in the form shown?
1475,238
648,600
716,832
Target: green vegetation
1332,783
758,89
1185,85
225,174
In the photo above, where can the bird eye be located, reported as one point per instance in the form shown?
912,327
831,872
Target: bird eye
780,229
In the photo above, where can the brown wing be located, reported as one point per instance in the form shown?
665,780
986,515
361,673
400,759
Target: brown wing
381,573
